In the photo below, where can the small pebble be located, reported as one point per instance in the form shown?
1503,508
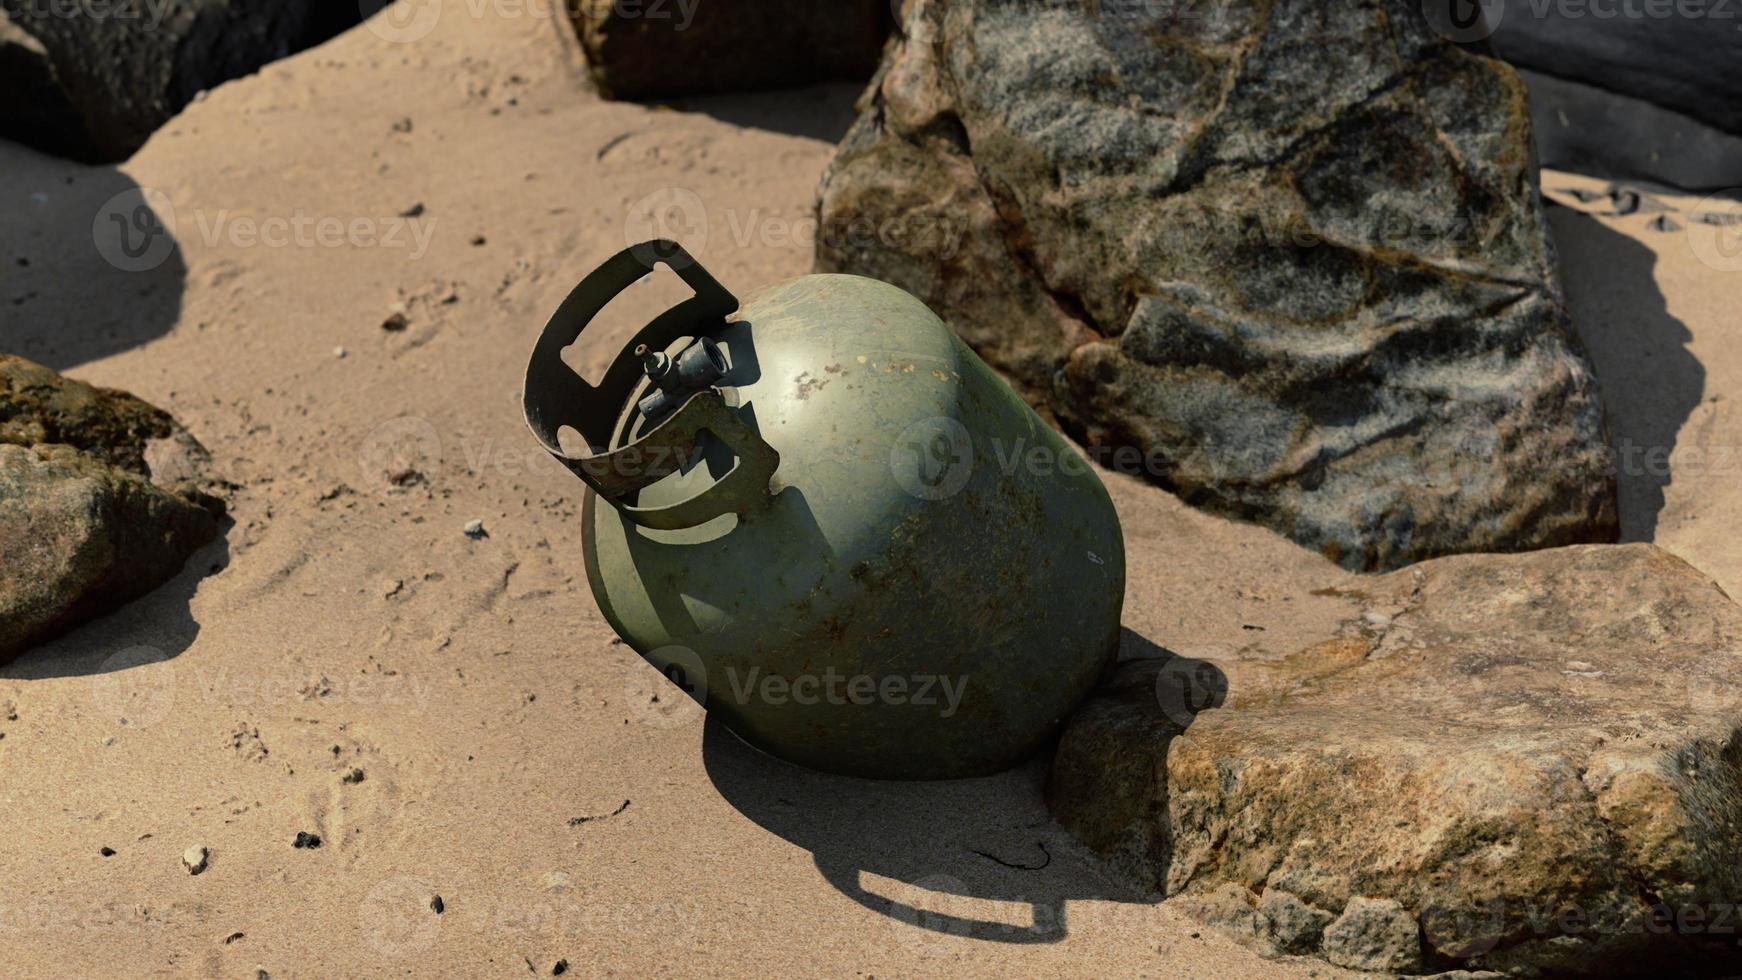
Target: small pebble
437,906
412,212
479,241
403,125
1664,222
194,859
107,852
475,530
396,322
562,967
353,777
305,839
339,352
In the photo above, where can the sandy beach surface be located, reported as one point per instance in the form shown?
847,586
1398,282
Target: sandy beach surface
499,785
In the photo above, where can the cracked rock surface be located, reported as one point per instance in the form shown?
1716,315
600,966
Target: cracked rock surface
1287,256
83,525
1498,762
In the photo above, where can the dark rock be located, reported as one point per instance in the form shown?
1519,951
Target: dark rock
642,51
1324,300
304,839
1650,91
83,525
1504,762
1588,130
93,81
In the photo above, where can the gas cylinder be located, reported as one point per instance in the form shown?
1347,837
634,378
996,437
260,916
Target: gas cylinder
828,521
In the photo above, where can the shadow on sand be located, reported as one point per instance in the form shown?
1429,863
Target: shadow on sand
153,628
89,264
820,112
1649,380
977,858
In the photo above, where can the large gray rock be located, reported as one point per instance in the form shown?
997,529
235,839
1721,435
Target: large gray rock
1291,252
1498,762
1647,91
83,528
692,47
93,79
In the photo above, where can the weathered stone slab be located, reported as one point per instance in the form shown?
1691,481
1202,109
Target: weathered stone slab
1529,761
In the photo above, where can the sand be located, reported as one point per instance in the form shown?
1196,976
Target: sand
451,715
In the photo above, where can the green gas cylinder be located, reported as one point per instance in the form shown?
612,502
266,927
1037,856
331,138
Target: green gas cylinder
823,516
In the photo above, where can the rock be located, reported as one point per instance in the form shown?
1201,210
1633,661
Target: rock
194,859
1652,97
306,841
1374,934
475,530
87,518
1294,926
93,84
1322,300
1535,764
687,47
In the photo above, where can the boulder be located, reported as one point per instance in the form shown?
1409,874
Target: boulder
1648,91
662,48
83,528
1503,762
1319,298
92,79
